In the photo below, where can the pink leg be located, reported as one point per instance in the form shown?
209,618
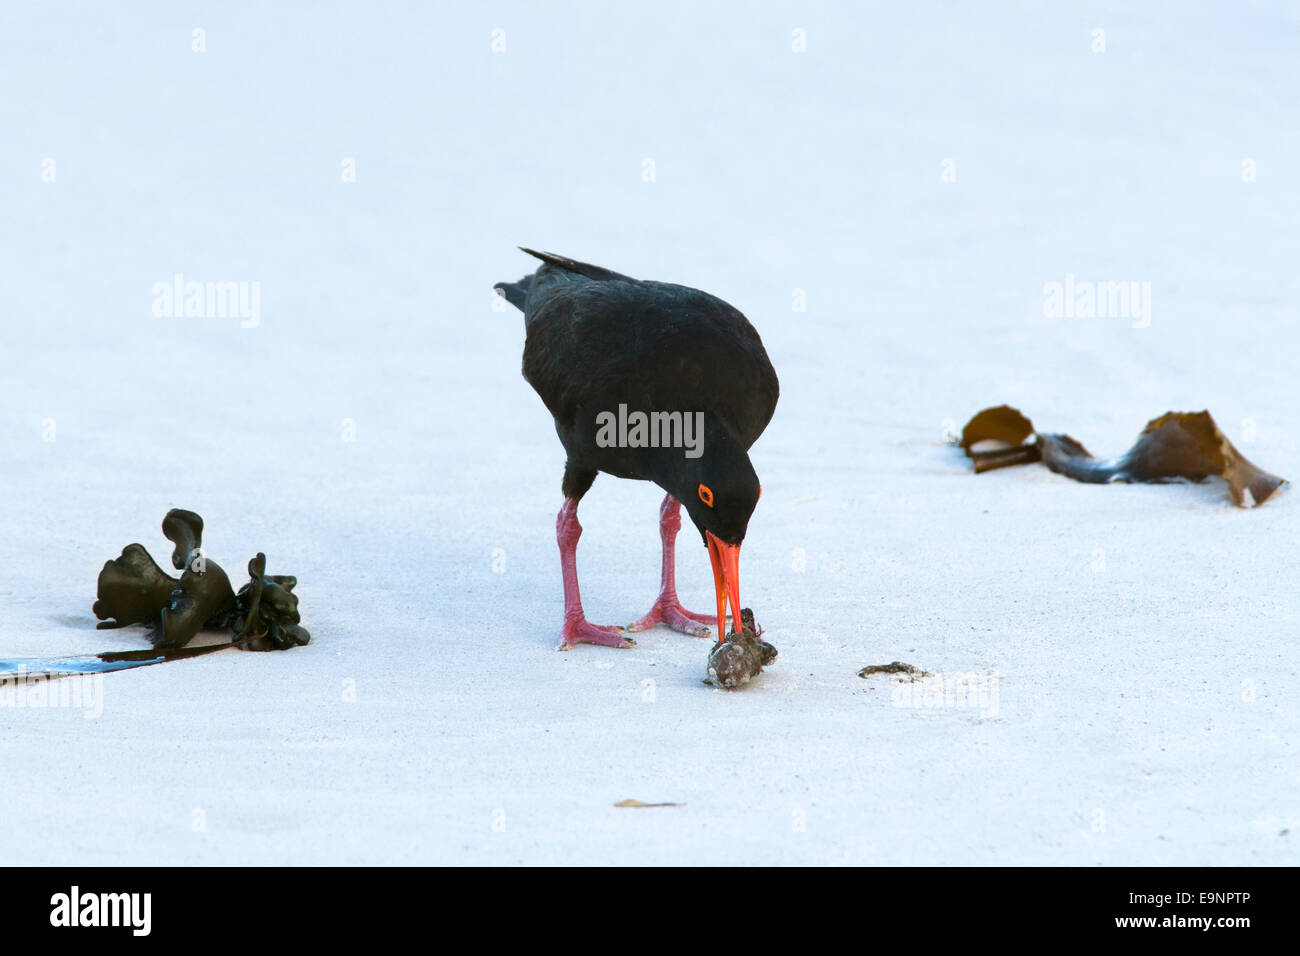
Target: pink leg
667,609
577,629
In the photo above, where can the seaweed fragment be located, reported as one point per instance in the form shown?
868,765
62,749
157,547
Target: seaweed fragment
894,667
267,617
132,589
1176,446
185,530
26,669
203,598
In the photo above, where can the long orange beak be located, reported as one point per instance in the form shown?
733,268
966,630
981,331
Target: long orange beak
726,579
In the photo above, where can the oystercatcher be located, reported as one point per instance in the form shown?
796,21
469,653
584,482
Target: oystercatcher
655,382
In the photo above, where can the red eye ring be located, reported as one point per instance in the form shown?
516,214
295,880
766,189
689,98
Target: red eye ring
706,495
760,493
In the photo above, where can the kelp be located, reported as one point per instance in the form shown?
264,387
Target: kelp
1177,446
133,590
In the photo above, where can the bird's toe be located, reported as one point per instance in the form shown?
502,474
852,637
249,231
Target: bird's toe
686,623
672,614
584,632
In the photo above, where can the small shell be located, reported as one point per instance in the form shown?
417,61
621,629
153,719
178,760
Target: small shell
741,657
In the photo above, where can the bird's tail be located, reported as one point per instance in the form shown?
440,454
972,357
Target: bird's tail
516,293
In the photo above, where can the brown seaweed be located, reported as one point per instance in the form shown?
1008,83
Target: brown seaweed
894,667
267,619
1177,446
202,599
132,589
27,669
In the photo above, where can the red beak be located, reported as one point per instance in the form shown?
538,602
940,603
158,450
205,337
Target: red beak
726,579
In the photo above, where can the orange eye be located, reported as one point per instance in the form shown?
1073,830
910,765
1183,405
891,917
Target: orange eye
706,495
760,493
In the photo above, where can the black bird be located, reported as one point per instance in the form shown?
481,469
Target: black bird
657,382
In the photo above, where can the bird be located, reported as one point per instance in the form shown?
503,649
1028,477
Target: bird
656,382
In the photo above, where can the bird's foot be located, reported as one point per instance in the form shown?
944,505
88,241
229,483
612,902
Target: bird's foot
668,610
582,631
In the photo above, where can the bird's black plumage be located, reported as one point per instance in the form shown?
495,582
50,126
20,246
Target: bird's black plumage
597,339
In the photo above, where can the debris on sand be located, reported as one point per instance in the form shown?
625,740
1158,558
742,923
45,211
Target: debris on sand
894,667
1176,446
134,590
741,657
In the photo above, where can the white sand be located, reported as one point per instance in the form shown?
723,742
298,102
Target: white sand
1141,641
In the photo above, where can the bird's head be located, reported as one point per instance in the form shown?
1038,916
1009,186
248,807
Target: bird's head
720,490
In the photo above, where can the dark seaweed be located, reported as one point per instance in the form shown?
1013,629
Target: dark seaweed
1176,446
132,589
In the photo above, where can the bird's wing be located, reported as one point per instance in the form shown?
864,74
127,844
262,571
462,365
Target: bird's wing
593,344
573,265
